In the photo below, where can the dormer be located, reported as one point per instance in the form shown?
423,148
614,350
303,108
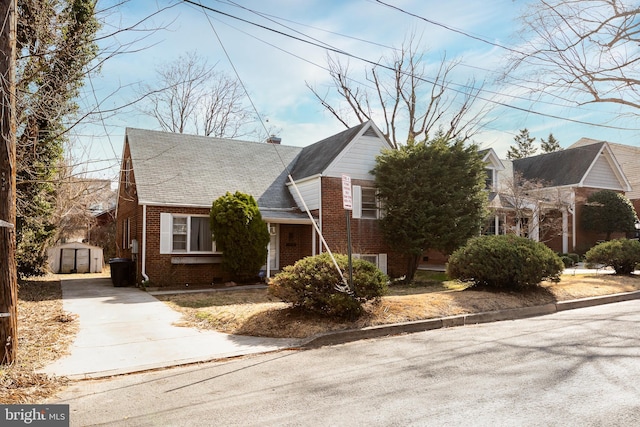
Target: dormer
493,165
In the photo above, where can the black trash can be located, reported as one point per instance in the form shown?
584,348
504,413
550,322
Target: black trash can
123,271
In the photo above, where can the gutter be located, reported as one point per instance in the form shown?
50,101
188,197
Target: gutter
143,250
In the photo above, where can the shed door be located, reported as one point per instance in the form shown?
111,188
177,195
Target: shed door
82,261
67,260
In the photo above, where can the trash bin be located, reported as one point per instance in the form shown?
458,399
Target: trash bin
123,271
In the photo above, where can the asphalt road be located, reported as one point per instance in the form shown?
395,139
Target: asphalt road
573,368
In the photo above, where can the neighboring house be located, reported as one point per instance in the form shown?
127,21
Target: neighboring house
169,181
541,197
629,159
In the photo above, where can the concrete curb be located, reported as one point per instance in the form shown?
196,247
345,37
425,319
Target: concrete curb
341,337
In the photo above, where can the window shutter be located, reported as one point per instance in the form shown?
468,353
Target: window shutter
382,262
356,195
165,233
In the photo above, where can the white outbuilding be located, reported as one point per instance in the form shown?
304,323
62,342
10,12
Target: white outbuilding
75,257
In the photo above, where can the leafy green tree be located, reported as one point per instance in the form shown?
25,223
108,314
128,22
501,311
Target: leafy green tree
432,195
523,146
608,212
240,233
550,145
56,44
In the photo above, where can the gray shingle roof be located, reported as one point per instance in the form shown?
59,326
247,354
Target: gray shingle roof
189,170
315,158
564,167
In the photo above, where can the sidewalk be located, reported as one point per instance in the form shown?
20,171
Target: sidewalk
124,330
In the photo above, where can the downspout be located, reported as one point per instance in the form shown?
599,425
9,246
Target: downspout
143,250
572,211
319,225
268,265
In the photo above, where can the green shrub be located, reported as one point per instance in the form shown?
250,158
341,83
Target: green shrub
621,254
310,284
570,259
504,262
574,257
567,261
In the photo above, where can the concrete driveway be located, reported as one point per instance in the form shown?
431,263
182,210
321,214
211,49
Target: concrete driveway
124,330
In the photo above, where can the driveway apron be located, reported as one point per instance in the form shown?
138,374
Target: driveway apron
124,330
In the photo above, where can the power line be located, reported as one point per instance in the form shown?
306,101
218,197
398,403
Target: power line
330,48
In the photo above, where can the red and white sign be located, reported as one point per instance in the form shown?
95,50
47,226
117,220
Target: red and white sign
347,200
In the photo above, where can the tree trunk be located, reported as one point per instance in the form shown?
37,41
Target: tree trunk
412,267
8,270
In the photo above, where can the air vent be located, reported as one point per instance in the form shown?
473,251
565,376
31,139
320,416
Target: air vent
370,132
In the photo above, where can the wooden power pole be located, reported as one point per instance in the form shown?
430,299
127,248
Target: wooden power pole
8,266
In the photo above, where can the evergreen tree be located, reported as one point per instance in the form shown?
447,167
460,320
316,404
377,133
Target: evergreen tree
56,44
550,145
433,197
523,146
608,212
240,233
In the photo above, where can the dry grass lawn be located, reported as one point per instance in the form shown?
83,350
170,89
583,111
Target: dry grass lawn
44,335
254,312
45,331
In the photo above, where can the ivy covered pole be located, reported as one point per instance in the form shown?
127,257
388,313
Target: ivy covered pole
8,270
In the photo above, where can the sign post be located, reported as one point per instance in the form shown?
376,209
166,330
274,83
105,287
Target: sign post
347,204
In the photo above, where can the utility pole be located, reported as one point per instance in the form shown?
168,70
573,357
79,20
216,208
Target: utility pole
8,267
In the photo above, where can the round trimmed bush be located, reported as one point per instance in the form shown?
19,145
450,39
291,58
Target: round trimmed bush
504,262
622,255
310,284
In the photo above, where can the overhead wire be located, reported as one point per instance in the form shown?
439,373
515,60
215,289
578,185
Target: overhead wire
344,287
435,83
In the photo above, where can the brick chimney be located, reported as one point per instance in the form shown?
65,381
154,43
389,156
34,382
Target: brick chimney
274,140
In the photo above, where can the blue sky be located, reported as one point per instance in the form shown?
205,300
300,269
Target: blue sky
274,68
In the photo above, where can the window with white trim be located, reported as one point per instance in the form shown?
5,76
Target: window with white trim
379,260
365,203
185,234
490,179
373,259
369,203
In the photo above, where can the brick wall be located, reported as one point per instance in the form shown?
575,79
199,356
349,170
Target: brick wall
587,239
128,209
160,269
366,237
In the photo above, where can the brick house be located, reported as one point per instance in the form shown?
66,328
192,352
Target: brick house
168,182
559,185
628,157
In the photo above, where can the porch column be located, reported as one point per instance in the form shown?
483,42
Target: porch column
314,242
565,231
535,226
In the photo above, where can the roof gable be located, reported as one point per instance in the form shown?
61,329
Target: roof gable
560,168
592,165
315,158
491,159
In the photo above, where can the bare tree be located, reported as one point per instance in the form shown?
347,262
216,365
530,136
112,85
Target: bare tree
532,209
585,48
192,96
78,199
407,98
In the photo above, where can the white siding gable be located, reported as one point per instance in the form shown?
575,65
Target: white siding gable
358,158
310,191
602,175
